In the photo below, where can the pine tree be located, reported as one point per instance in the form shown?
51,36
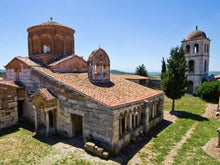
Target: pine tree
141,70
163,68
174,80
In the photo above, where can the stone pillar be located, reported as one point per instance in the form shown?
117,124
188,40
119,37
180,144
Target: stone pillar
120,126
35,118
130,118
218,130
126,122
147,116
47,124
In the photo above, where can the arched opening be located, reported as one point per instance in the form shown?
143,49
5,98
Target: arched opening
36,45
187,49
47,41
205,66
104,68
68,46
191,66
46,49
190,87
97,68
196,48
59,45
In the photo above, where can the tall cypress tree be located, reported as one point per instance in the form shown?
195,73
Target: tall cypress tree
174,80
163,68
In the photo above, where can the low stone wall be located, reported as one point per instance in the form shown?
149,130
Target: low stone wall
154,83
8,106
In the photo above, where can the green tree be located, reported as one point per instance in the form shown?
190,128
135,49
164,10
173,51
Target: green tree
141,70
174,80
163,68
209,90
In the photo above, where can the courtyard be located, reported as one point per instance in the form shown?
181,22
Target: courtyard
179,139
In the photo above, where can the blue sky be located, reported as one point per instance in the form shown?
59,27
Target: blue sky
132,32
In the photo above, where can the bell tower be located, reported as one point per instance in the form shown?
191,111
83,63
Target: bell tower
99,66
196,47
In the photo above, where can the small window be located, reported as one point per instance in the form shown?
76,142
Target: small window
97,68
205,66
196,48
46,49
187,49
191,66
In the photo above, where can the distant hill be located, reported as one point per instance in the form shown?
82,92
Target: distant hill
2,72
119,72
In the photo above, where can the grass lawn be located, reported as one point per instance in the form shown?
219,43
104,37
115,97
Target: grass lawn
191,152
18,146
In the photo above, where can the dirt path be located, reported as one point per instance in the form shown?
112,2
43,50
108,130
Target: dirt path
170,157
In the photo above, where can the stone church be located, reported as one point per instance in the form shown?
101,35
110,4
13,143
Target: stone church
196,47
62,93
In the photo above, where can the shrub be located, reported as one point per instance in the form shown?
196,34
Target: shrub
209,90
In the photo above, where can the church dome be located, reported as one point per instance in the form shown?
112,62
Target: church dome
197,34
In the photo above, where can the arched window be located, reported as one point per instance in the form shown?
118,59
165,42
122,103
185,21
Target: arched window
196,48
46,49
205,66
97,68
191,66
104,68
207,49
187,49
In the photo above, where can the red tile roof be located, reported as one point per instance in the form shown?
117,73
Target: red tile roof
45,93
64,59
27,61
9,83
117,92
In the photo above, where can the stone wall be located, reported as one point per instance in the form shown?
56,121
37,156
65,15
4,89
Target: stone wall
156,84
8,106
97,119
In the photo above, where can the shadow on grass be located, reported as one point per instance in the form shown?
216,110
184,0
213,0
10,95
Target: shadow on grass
132,148
9,130
188,115
124,156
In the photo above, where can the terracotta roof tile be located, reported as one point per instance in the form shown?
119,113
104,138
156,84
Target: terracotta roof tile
9,83
46,93
27,61
117,92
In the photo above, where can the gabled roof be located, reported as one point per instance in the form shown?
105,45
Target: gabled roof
65,59
9,83
45,93
114,93
24,60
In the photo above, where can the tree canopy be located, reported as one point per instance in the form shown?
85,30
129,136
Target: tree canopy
163,68
141,70
174,80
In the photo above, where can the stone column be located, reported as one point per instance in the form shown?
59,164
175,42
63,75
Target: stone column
130,118
47,124
147,116
120,126
35,118
218,130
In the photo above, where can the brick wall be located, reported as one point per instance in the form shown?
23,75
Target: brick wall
8,106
